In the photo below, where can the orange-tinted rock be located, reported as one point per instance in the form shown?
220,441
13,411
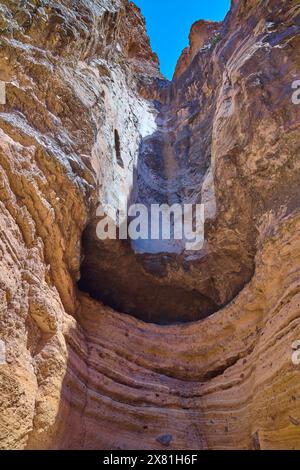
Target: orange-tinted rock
82,90
203,35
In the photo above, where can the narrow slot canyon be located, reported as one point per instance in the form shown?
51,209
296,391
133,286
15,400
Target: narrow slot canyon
120,344
161,281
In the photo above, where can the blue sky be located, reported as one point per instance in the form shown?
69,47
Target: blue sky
169,22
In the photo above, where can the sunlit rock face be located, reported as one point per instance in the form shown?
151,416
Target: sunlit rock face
89,119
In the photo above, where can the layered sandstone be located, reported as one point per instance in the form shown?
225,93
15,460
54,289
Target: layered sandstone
89,118
216,139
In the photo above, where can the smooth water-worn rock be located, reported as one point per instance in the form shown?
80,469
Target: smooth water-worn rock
89,119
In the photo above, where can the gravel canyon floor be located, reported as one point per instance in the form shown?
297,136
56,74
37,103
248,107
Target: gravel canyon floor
123,345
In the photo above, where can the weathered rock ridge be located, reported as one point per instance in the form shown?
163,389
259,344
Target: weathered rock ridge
89,118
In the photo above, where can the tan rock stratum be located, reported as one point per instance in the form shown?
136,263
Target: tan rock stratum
104,345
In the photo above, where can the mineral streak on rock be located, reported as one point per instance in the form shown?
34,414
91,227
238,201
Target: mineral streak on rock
89,118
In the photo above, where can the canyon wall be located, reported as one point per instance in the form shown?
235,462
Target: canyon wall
89,119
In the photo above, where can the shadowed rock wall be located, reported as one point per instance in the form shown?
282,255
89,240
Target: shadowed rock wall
88,117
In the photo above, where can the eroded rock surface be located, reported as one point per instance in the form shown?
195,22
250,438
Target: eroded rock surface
220,139
88,118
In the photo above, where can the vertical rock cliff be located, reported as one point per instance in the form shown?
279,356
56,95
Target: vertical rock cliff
89,119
